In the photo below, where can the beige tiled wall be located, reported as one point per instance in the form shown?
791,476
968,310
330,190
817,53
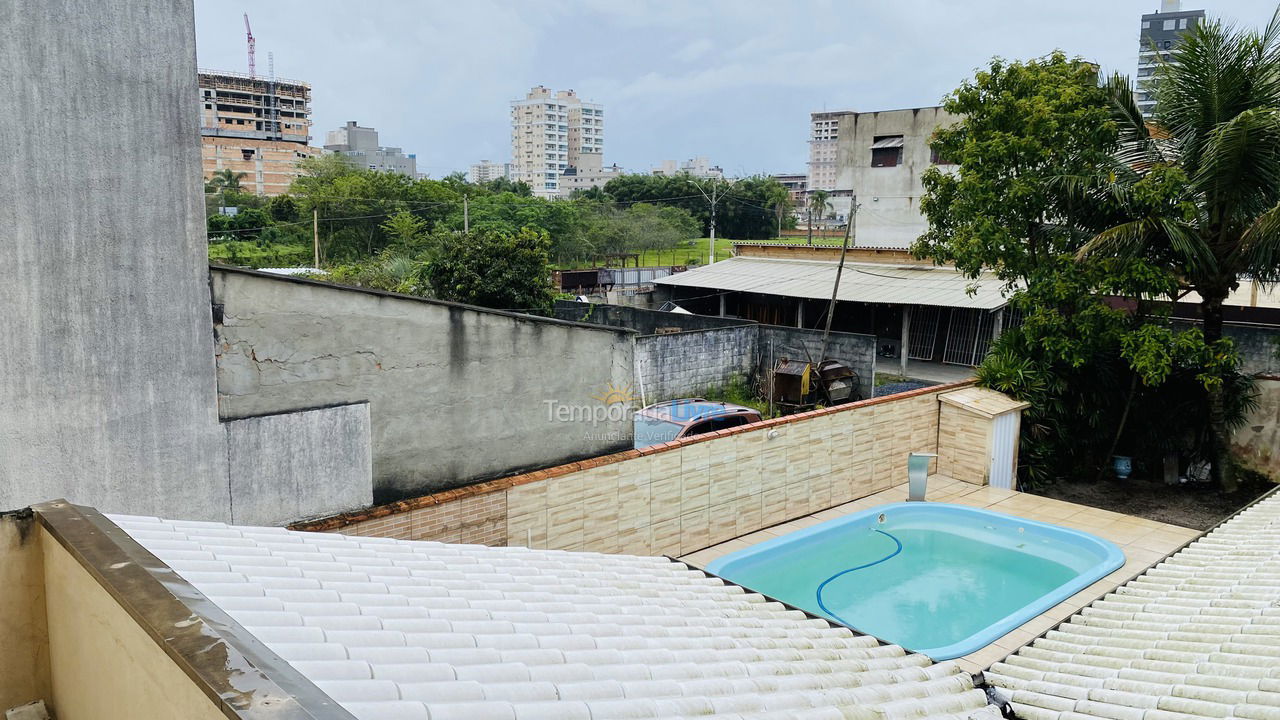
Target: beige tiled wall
701,492
479,519
695,495
963,444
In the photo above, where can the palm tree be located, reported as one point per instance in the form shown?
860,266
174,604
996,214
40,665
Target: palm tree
225,179
818,203
1198,190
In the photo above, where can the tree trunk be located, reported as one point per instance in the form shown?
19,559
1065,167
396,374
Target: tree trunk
1219,440
810,223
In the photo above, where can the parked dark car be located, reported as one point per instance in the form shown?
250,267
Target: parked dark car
675,419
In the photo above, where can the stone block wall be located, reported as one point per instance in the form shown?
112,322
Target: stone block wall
692,363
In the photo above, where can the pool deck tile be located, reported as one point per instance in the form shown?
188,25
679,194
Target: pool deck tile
1144,542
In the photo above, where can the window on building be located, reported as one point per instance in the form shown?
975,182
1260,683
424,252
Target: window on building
886,151
1146,24
247,153
1169,24
938,158
1182,24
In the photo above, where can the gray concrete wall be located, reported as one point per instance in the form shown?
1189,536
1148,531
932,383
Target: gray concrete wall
456,394
299,465
889,197
859,351
1257,345
643,321
694,363
107,392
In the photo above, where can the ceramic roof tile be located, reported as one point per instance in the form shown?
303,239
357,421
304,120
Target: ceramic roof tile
428,631
1196,636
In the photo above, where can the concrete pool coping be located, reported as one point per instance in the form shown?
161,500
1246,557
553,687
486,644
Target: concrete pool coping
1144,542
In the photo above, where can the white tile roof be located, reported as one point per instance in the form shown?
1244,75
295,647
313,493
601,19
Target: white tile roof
395,629
860,282
1196,636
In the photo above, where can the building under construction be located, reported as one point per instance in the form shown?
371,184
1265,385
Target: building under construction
255,125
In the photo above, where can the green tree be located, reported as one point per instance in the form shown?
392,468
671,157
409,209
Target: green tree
1199,190
406,230
1025,130
225,180
494,269
819,203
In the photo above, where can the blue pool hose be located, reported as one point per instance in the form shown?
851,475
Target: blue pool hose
818,592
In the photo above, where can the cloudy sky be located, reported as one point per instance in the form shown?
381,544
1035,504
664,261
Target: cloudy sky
730,79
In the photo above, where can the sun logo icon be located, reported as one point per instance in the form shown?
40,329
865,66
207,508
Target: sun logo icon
614,394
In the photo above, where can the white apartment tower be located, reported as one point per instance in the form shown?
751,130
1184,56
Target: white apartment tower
551,132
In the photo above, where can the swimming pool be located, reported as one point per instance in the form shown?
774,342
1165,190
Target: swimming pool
942,580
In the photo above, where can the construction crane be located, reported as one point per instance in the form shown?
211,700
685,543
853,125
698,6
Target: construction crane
248,31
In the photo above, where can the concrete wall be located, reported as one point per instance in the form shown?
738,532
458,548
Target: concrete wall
297,465
681,497
456,394
104,666
858,350
889,215
1256,445
24,634
694,363
643,321
669,365
1256,344
107,395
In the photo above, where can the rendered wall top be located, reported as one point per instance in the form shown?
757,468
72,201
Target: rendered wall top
107,396
456,394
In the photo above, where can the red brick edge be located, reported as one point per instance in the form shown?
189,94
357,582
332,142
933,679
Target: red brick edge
342,520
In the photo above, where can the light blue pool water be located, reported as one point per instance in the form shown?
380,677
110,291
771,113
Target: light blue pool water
943,580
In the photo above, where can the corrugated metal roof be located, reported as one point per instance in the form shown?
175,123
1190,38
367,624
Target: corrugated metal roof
861,282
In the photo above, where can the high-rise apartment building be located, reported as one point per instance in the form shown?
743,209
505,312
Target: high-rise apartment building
254,125
699,167
824,130
1161,32
359,145
485,171
551,132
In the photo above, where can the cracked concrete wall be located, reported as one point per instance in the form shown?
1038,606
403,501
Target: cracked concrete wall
455,394
107,394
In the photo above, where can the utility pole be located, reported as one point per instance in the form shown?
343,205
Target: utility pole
315,236
835,289
466,215
713,198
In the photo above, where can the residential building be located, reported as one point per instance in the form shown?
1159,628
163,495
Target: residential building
935,322
797,185
485,171
880,159
552,131
254,125
574,178
824,128
1161,32
360,146
699,167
